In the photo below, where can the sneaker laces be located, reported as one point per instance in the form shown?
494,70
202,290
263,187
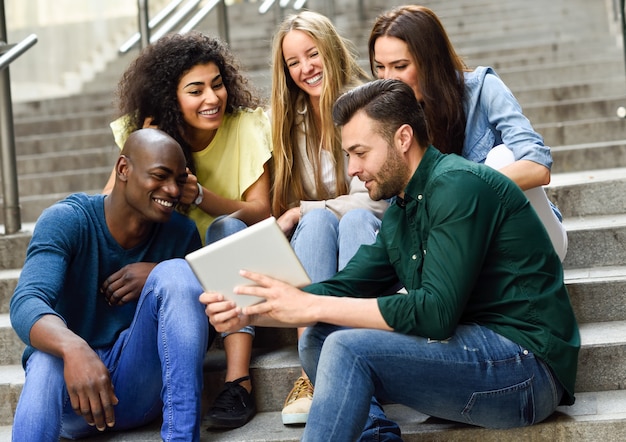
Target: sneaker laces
302,388
233,396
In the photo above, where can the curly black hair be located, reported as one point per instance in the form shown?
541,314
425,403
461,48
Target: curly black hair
148,87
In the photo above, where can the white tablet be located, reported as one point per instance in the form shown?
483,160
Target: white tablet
261,248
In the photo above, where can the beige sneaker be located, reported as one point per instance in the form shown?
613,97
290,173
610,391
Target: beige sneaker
298,402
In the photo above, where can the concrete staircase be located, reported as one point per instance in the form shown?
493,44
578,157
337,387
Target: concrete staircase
563,62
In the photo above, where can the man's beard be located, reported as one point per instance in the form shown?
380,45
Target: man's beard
391,178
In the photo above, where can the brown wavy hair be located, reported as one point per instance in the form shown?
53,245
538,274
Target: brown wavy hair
440,70
148,87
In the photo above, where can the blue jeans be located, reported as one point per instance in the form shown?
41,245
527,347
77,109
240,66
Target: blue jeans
476,377
220,228
155,367
325,244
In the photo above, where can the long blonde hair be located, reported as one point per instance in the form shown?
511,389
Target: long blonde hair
340,71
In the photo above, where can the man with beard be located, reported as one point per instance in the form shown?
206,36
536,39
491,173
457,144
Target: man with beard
484,334
113,340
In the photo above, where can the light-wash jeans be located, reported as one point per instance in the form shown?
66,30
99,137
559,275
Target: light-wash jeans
325,244
155,366
476,377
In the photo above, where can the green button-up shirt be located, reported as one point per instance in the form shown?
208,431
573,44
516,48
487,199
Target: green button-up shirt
469,248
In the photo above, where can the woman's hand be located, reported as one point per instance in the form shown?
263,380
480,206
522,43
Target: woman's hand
190,191
289,220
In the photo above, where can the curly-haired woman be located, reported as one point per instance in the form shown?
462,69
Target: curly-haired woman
190,87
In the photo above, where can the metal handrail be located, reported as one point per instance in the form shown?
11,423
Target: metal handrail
176,19
10,194
267,4
156,21
11,52
198,16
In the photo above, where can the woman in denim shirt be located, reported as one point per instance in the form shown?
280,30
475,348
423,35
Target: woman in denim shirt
410,44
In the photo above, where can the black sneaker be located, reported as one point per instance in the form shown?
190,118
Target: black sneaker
233,407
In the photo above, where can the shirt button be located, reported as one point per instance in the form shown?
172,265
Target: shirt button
525,352
419,197
414,257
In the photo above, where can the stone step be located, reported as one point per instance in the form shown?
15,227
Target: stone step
576,109
595,241
589,156
582,131
13,249
598,293
64,181
595,416
69,140
555,90
94,101
46,124
541,53
589,192
72,160
565,72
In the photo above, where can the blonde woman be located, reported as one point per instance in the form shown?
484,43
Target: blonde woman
326,213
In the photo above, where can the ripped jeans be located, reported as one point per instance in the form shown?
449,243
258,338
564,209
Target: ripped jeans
476,377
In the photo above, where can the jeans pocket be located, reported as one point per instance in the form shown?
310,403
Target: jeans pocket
504,408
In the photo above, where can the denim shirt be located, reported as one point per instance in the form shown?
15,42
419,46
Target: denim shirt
495,117
467,246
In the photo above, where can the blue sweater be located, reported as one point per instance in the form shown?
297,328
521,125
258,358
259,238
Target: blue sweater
69,256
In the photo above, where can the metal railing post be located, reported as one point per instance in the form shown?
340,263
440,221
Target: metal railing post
144,28
222,21
12,217
621,111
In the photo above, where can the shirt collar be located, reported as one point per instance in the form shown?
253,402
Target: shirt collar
418,181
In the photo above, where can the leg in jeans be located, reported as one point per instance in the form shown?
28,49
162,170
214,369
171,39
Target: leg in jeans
476,377
376,428
237,345
320,235
148,378
356,227
42,401
315,243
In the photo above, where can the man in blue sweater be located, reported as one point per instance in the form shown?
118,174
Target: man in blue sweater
112,337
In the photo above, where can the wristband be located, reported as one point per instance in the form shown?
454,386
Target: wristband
200,196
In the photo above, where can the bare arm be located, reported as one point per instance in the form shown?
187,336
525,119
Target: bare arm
527,174
254,207
87,379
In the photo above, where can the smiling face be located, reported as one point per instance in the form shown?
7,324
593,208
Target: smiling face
154,173
373,159
392,59
202,97
304,62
